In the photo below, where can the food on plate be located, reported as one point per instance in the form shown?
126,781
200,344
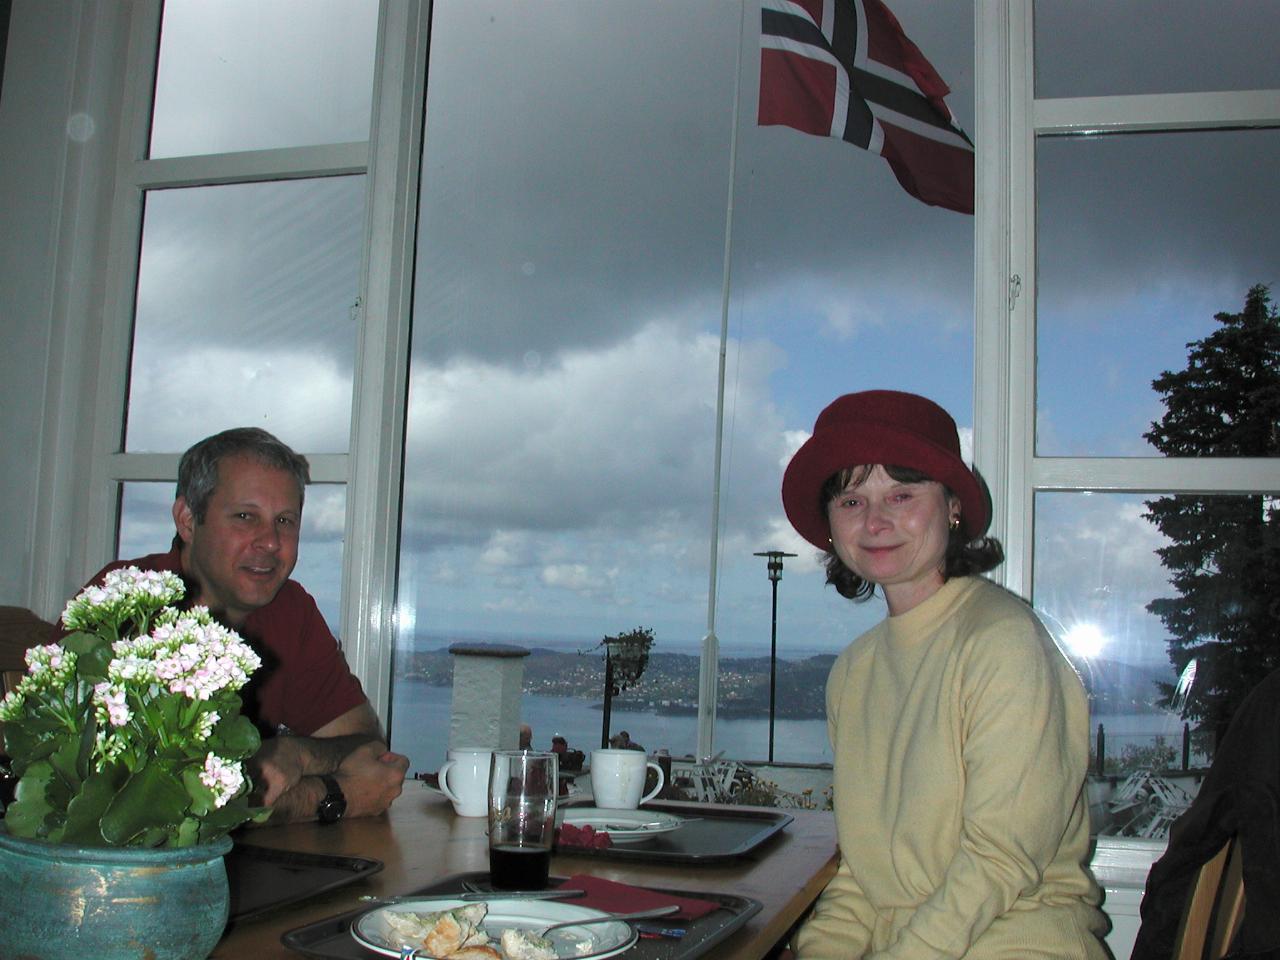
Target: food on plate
525,945
459,934
446,933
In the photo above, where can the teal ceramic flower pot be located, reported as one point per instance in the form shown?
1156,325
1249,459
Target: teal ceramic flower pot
63,902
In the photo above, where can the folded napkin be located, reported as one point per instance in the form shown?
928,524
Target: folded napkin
615,897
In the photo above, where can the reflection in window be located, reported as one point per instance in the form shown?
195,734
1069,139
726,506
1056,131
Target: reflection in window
146,527
246,313
259,74
561,423
1166,641
1141,241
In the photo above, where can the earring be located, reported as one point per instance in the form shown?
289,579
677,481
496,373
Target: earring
955,523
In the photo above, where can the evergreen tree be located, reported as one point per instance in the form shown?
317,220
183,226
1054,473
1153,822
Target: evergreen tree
1223,556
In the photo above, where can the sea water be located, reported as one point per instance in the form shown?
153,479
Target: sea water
420,729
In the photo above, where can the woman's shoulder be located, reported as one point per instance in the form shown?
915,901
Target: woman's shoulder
994,612
861,646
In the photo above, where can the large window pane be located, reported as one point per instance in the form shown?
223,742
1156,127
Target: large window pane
257,74
146,526
246,313
1138,612
1141,240
561,426
1087,48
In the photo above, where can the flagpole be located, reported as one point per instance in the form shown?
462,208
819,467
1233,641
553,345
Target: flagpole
709,665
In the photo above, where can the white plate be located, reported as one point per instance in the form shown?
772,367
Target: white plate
604,939
623,826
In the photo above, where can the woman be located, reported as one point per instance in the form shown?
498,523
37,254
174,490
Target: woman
960,732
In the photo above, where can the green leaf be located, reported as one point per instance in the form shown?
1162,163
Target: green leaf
152,798
83,644
26,816
236,738
188,833
84,812
225,819
65,761
27,741
202,797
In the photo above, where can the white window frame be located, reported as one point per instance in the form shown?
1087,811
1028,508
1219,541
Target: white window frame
83,462
1010,118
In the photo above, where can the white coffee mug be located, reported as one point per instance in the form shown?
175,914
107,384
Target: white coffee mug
617,778
464,779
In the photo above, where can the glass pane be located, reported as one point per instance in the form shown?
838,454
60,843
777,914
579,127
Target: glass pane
1088,49
246,313
146,526
562,417
258,74
1141,241
1135,588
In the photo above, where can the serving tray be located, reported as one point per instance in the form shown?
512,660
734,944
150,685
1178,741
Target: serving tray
262,879
710,833
330,939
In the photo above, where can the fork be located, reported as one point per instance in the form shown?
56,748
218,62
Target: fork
609,918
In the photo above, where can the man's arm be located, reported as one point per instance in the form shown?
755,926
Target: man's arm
286,770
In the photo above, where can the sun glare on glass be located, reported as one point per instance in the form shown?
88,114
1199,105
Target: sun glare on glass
1085,640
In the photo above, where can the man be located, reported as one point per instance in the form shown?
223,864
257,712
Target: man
238,510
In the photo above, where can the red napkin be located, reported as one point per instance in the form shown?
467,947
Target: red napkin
622,898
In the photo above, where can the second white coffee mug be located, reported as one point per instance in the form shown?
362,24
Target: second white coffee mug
617,778
464,779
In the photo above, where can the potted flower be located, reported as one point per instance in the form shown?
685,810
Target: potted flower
128,744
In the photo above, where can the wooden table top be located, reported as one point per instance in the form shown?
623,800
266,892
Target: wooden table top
421,841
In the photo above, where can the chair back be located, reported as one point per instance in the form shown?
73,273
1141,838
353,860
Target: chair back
1215,909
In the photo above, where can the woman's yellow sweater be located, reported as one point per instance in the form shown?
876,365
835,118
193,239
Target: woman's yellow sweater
961,741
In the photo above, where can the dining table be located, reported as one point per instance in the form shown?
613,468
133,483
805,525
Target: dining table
420,841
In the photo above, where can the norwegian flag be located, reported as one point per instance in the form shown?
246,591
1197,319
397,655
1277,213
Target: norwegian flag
844,68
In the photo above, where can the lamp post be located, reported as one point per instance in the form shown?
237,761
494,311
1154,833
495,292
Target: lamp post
775,574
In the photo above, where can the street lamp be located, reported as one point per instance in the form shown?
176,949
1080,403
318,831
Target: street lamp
775,574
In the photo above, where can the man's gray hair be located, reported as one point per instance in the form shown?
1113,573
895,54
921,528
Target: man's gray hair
198,468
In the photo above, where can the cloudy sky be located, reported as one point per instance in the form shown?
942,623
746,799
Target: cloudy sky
568,298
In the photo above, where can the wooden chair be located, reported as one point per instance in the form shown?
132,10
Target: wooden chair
1216,907
19,629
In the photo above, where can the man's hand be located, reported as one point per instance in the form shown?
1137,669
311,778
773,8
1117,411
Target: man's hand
286,769
276,768
371,777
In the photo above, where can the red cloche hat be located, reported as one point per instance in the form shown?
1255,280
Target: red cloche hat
890,428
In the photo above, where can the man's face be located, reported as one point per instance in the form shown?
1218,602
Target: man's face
245,549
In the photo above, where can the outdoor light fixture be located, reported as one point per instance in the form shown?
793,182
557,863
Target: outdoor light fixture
775,574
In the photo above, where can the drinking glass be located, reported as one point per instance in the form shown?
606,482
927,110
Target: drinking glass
522,815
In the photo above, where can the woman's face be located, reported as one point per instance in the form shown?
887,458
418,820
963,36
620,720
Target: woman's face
893,534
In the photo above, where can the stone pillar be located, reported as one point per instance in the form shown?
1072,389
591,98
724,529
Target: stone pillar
487,679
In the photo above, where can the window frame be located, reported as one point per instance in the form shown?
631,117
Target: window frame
1011,118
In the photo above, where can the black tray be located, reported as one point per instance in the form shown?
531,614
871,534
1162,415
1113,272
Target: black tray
331,939
712,833
262,879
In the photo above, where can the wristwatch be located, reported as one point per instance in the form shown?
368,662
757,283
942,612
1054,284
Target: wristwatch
334,804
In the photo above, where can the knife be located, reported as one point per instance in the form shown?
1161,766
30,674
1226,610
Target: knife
557,894
471,895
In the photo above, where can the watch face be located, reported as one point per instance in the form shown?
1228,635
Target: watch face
332,809
334,804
